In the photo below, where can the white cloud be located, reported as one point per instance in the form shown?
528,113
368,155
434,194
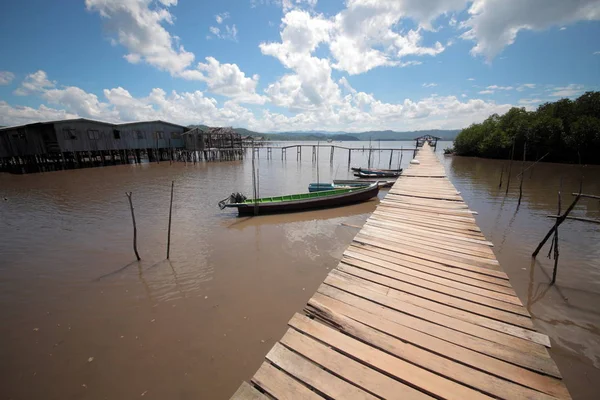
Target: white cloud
408,63
228,32
596,53
428,85
139,28
221,17
227,80
530,101
563,28
486,92
471,79
494,24
33,84
526,86
286,5
355,111
6,77
364,36
20,115
77,101
463,95
496,87
567,91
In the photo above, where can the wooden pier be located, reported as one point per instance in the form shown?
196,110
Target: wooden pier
417,308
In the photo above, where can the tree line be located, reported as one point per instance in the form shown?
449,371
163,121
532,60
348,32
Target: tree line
563,131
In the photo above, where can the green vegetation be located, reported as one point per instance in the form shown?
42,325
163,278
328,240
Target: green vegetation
563,131
343,136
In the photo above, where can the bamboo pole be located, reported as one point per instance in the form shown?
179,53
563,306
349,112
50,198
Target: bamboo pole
134,226
522,174
512,155
593,221
556,253
588,196
170,212
559,221
254,191
391,155
501,176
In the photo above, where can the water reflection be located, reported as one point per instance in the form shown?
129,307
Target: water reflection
567,311
199,324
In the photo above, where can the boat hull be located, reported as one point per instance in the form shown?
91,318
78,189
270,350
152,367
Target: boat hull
353,197
361,174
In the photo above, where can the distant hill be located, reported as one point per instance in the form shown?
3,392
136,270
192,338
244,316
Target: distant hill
344,136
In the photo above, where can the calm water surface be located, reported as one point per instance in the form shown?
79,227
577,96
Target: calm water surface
81,319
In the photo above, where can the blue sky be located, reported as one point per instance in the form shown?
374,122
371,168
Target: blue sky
277,65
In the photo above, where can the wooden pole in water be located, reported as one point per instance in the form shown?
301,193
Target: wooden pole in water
522,172
349,156
556,253
512,154
254,181
501,176
170,212
559,221
134,226
317,158
391,155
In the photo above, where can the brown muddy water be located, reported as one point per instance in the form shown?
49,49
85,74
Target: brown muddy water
82,320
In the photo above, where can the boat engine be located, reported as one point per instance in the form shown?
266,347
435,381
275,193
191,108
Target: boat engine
232,199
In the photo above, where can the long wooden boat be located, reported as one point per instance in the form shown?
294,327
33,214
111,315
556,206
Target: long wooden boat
320,187
366,181
361,174
304,201
375,170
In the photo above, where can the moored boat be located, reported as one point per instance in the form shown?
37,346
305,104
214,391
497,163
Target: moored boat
376,170
382,183
300,202
375,174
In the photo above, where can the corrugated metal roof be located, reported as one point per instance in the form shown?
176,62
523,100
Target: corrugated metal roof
90,120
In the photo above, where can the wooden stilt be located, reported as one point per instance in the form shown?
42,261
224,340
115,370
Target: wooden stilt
134,226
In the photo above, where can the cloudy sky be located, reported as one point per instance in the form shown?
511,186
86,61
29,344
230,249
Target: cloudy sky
278,65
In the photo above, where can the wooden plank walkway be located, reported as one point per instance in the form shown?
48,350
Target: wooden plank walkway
417,308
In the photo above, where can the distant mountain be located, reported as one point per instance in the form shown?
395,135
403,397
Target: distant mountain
410,135
345,136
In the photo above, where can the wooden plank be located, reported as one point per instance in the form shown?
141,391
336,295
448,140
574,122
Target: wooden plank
432,233
378,294
313,376
434,276
422,236
459,308
402,370
525,354
414,262
426,224
481,253
441,357
362,376
471,228
431,213
394,218
431,196
430,256
468,257
480,250
280,385
425,208
248,392
432,282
